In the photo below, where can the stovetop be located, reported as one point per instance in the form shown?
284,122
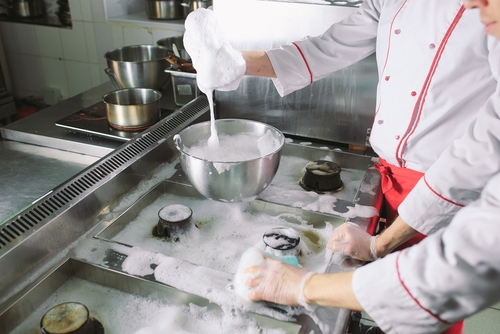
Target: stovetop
93,120
121,251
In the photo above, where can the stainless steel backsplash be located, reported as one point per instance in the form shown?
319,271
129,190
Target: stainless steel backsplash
338,108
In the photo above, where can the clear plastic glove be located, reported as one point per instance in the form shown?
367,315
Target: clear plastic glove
351,240
277,282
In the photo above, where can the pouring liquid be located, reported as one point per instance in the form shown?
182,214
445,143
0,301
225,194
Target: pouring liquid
213,140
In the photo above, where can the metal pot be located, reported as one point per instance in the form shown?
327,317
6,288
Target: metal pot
138,66
132,109
191,5
244,180
164,9
28,8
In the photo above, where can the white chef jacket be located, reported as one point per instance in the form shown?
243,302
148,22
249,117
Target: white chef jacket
449,276
459,175
436,69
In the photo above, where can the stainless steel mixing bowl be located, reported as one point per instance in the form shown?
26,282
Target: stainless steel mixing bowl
138,66
244,180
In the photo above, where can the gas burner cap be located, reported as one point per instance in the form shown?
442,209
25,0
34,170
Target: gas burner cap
71,317
322,176
282,241
174,220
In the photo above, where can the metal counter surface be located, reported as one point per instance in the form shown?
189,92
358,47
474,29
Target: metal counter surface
36,155
29,172
40,129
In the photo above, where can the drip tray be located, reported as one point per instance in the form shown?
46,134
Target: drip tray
121,303
222,232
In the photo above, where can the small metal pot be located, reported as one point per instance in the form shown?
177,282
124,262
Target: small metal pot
164,9
141,66
132,109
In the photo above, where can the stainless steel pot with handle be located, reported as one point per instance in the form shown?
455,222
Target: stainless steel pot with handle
138,66
132,109
164,9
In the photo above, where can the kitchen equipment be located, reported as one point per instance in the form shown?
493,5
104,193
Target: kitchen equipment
164,9
169,43
28,8
95,217
70,317
138,66
184,84
240,180
132,109
93,120
192,5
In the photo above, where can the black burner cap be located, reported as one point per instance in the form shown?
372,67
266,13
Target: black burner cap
322,176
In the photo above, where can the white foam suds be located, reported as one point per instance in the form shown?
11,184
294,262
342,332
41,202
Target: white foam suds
162,172
235,148
225,231
285,189
218,65
121,313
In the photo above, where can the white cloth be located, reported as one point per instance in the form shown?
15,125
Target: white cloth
450,275
458,176
434,69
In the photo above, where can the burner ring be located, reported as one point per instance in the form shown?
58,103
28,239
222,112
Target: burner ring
322,176
70,317
173,220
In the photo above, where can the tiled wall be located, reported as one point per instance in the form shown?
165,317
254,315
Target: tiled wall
70,60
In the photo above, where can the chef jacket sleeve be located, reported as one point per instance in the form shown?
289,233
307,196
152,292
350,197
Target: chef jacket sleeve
458,176
300,63
445,278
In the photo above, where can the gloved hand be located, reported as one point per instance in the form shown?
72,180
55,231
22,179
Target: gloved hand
277,282
218,64
351,240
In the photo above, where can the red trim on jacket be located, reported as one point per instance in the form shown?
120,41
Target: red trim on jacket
440,196
387,54
419,105
305,61
435,316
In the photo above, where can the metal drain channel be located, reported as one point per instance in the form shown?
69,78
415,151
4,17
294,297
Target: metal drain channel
43,211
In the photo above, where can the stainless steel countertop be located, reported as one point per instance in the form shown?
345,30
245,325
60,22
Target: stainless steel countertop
40,129
28,172
36,155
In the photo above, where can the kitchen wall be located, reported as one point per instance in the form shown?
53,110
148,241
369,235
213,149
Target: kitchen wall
70,61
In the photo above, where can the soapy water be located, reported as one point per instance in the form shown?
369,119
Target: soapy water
285,189
223,232
123,313
235,148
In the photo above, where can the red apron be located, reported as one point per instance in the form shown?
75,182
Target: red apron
396,183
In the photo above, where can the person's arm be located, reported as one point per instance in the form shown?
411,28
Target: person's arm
258,64
331,290
393,236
